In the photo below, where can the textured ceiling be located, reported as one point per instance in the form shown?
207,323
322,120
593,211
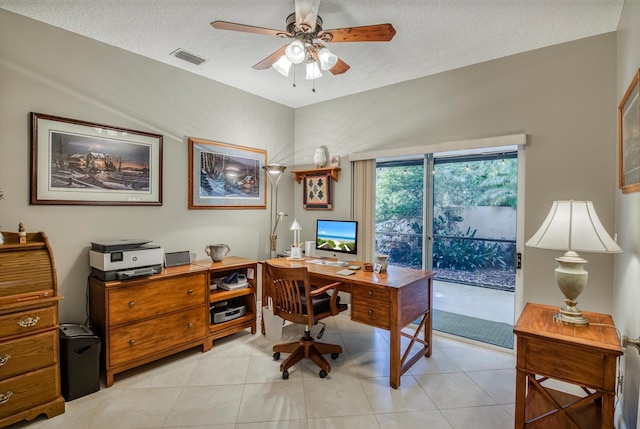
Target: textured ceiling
432,36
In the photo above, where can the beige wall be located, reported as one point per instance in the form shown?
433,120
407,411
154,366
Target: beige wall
47,70
562,97
626,303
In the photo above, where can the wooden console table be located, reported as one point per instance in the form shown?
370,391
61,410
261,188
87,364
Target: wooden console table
144,319
389,300
583,356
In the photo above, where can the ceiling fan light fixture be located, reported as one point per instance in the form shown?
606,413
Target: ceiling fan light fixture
283,65
296,52
327,59
313,71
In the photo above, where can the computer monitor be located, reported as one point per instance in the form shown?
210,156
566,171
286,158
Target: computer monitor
334,237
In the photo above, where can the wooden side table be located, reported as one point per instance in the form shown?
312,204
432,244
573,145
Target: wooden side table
582,356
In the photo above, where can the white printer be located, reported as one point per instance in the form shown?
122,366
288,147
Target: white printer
125,259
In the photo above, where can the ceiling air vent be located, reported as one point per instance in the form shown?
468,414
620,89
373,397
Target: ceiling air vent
188,57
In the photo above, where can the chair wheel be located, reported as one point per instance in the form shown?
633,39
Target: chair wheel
323,373
285,375
334,356
276,356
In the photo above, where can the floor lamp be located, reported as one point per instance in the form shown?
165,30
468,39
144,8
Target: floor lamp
274,173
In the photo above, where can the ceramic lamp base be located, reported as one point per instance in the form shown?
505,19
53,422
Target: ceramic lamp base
572,279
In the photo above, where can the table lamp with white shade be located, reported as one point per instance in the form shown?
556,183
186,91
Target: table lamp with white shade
572,226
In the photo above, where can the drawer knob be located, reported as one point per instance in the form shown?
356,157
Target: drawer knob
370,312
190,291
132,342
190,325
28,322
4,358
4,398
370,292
132,303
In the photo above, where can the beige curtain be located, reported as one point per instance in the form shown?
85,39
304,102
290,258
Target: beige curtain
364,199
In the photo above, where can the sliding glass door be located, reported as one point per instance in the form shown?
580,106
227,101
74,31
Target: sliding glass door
455,214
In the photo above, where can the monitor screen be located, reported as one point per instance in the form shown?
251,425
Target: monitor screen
337,236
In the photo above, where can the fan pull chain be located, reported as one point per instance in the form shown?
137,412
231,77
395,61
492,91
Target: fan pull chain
294,77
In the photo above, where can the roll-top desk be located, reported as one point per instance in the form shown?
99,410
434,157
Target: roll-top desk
29,356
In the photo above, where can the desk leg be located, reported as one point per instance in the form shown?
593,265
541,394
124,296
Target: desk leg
394,357
428,332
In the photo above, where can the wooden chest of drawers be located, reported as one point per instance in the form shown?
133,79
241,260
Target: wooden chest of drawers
142,320
29,357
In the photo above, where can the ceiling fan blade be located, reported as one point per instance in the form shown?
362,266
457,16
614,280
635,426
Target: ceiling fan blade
232,26
306,14
340,67
367,33
271,59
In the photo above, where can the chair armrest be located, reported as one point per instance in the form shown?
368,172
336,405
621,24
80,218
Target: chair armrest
334,296
323,289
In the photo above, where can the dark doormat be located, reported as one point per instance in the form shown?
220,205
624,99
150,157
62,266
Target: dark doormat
486,331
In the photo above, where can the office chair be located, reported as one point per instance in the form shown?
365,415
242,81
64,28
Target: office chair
294,300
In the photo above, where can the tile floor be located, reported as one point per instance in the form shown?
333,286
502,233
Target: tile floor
238,385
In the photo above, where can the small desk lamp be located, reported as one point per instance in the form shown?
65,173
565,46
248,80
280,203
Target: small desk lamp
296,248
572,226
274,173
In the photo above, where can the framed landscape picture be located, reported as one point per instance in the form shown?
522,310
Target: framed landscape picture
78,162
629,138
225,176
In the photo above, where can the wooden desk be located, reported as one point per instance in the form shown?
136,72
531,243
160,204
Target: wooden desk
583,356
389,300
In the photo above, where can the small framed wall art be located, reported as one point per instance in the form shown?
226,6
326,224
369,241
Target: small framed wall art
78,162
317,192
629,138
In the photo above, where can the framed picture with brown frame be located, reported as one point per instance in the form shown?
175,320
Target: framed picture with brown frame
317,192
86,163
629,138
226,176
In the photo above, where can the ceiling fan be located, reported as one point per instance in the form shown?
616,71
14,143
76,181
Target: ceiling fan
304,28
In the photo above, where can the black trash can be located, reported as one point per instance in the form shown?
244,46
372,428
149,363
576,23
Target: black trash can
79,361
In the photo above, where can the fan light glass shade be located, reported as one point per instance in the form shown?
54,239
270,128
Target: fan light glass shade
573,225
327,59
283,65
296,52
313,71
